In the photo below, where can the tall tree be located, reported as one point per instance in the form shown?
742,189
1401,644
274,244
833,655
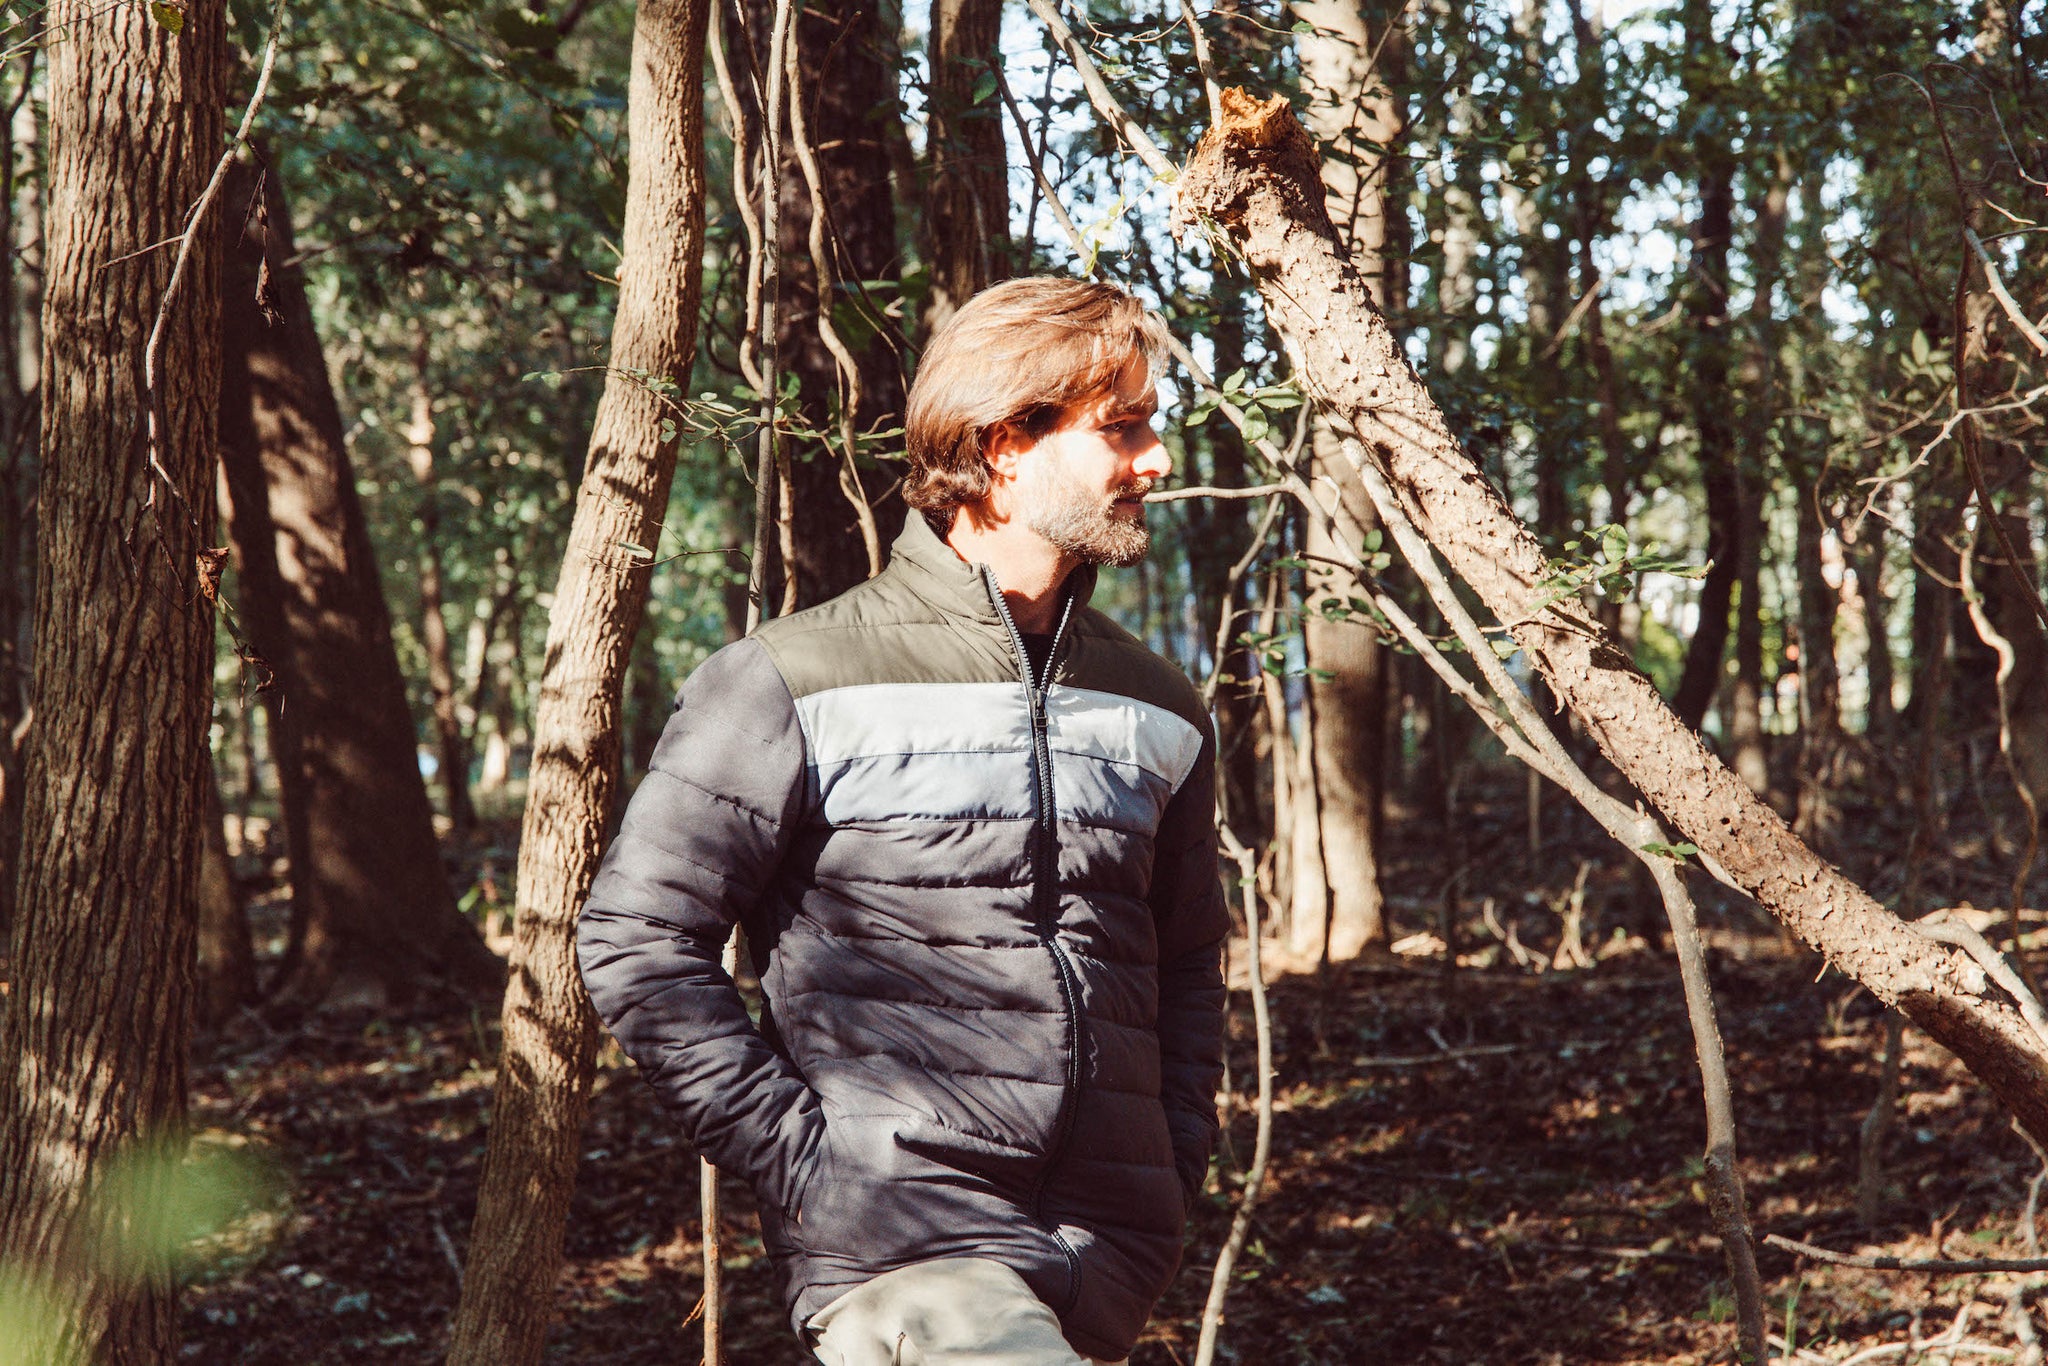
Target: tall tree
372,907
99,1012
550,1037
1706,295
847,96
1337,907
966,220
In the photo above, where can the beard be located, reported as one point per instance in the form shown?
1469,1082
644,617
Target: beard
1083,522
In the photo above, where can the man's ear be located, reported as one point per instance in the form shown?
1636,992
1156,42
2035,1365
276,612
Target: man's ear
1004,446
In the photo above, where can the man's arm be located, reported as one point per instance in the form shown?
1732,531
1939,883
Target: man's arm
699,846
1193,921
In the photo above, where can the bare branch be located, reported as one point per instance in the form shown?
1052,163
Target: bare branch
1936,1265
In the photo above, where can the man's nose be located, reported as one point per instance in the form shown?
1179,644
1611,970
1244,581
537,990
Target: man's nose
1154,462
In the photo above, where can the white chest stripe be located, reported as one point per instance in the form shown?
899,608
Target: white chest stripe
934,750
1122,730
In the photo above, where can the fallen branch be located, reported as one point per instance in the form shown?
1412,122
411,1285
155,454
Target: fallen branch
1962,1266
1254,183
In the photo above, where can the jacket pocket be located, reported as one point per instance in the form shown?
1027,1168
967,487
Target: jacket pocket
877,1193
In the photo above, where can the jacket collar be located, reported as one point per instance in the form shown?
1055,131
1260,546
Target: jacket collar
954,584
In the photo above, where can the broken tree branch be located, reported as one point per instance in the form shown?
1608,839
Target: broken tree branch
1254,180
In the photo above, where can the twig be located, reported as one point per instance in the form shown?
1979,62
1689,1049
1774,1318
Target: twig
1944,930
1200,41
1098,92
1933,1265
1489,1050
447,1246
1204,491
1262,1145
1999,292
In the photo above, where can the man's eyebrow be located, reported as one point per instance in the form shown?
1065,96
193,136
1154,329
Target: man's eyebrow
1145,406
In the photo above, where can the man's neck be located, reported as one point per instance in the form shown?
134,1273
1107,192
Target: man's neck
1028,568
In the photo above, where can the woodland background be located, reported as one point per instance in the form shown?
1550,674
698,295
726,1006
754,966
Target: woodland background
346,580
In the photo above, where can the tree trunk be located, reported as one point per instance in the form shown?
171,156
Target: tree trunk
373,910
848,98
227,960
1707,395
1346,66
967,205
1866,556
550,1036
18,428
98,1015
1745,716
452,749
1820,677
1256,175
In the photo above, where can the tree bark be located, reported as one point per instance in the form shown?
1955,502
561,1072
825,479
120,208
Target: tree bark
1337,908
371,903
1256,176
967,204
97,1020
550,1036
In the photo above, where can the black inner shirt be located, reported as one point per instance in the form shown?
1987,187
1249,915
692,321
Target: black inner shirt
1038,649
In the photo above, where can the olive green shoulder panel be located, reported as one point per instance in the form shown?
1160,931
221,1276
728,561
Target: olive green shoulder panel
883,632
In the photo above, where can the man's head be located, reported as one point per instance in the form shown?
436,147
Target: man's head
1033,406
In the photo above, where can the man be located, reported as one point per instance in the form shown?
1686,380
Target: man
966,822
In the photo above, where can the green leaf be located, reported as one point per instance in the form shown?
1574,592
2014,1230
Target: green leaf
1304,26
1373,540
1677,852
1614,544
1920,348
169,15
1235,384
984,88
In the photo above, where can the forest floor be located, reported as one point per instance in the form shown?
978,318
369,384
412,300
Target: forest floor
1496,1164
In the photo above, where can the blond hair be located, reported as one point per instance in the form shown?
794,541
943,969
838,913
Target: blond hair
1021,352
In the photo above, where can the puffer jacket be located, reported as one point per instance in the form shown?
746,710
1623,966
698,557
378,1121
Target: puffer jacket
987,922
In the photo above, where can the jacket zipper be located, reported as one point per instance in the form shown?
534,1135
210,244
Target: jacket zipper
1045,910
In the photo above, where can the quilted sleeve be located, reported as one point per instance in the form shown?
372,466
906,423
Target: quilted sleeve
1193,921
699,847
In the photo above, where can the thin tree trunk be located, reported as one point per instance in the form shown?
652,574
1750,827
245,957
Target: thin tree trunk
227,959
1866,557
1346,63
1707,393
550,1036
453,747
1820,678
1746,690
967,205
1257,177
18,427
98,1015
372,904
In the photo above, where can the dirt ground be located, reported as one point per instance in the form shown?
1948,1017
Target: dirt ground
1498,1163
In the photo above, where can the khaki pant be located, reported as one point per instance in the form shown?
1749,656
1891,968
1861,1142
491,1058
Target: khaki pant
956,1311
